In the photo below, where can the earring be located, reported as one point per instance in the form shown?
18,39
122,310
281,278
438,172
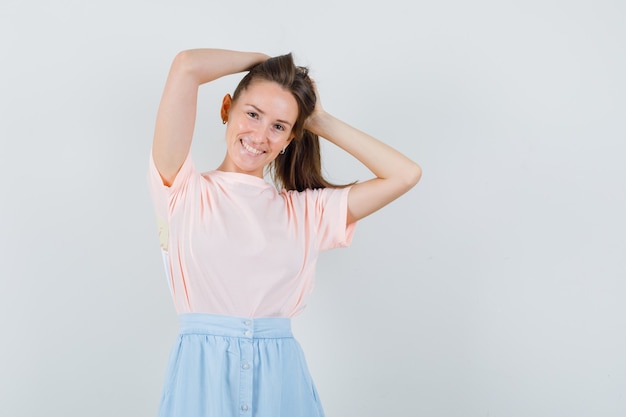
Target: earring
283,151
223,122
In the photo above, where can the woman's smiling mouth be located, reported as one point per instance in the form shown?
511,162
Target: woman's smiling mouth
250,149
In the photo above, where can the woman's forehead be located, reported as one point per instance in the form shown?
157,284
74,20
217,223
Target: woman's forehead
270,98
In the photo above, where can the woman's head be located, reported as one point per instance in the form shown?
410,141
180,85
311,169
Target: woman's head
282,71
260,124
274,137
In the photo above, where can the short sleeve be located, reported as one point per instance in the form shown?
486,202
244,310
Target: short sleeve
156,182
329,207
163,195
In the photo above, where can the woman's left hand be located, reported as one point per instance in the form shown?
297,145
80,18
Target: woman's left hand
312,123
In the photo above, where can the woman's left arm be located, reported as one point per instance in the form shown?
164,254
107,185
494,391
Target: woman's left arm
395,173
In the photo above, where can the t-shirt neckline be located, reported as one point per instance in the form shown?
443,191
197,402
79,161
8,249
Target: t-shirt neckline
239,177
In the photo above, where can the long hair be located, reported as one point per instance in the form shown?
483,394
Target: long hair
300,167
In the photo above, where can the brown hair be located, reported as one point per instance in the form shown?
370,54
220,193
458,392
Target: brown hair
300,167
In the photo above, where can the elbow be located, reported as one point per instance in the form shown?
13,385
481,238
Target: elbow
183,60
407,178
184,63
413,175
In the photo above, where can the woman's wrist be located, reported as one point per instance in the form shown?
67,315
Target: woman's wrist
318,122
257,58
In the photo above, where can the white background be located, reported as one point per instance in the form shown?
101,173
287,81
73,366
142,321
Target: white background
495,288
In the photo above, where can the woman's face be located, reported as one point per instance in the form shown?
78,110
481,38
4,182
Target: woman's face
260,124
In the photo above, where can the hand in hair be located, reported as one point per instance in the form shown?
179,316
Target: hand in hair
313,120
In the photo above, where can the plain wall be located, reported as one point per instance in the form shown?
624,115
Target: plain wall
496,287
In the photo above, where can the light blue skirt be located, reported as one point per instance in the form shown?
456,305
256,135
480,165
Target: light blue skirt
223,366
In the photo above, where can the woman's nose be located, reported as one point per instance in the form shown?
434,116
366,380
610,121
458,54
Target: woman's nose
261,132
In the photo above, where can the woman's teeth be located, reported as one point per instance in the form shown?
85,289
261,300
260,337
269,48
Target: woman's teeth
251,149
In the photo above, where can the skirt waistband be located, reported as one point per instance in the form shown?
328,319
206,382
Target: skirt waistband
230,326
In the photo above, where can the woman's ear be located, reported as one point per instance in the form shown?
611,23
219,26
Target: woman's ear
226,103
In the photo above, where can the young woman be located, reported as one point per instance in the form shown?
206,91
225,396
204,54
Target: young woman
239,254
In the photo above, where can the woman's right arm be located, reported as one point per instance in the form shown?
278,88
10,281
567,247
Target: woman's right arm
176,116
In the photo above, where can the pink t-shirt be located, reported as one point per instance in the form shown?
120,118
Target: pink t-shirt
234,245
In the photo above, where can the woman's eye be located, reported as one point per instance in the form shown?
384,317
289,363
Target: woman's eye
253,114
279,127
